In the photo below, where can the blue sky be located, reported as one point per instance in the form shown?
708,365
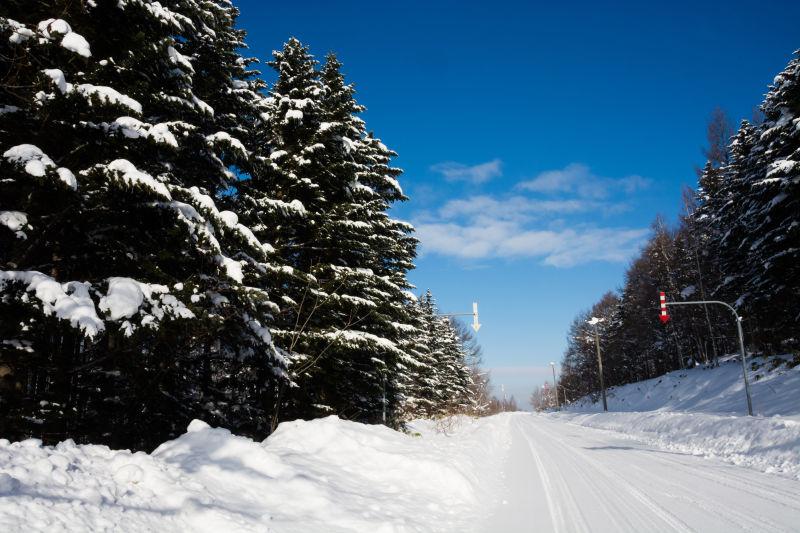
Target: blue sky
539,140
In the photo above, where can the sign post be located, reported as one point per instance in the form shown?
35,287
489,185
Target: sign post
665,303
474,314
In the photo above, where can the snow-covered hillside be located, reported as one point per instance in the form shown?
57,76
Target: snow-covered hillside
702,411
325,475
775,388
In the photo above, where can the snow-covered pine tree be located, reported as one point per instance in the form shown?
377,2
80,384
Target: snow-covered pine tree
424,391
691,274
660,256
247,380
744,239
579,370
444,382
457,376
413,380
767,245
120,277
366,254
283,202
718,227
700,222
479,389
343,325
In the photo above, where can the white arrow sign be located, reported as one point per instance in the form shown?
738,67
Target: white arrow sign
475,324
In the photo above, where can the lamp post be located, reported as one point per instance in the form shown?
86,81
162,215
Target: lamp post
594,321
555,386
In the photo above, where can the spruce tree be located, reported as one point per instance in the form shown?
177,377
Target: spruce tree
443,382
769,241
343,323
124,285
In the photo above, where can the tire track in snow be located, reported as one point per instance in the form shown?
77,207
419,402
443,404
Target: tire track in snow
712,504
725,474
556,514
569,512
617,481
617,511
570,478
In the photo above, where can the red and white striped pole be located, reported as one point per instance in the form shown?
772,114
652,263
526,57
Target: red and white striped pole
663,301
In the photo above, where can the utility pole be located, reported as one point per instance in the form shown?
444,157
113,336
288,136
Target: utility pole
555,386
594,321
665,318
384,396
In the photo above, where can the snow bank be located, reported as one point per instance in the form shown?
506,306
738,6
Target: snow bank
325,475
767,444
702,412
774,386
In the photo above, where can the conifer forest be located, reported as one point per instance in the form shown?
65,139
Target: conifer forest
180,240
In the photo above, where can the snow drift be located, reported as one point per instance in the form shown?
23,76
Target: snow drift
701,412
325,475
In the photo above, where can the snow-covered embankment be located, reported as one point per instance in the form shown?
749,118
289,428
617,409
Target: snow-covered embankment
701,412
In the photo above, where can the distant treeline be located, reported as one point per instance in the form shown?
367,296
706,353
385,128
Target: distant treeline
737,240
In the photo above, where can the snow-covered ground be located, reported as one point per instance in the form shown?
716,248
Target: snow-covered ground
775,389
701,412
325,475
567,478
667,469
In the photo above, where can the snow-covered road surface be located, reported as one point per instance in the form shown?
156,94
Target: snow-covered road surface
566,478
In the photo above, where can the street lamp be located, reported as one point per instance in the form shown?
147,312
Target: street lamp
555,386
593,322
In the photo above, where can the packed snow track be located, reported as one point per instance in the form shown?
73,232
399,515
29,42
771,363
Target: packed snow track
566,478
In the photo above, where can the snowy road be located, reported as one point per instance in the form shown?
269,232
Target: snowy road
564,478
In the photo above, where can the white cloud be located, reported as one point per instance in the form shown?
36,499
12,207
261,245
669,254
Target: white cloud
476,174
561,229
512,208
578,179
560,248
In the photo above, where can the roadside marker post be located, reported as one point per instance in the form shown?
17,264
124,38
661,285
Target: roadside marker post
664,316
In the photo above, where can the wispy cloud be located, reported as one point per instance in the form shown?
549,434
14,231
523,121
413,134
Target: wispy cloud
475,174
560,225
555,247
510,208
578,179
